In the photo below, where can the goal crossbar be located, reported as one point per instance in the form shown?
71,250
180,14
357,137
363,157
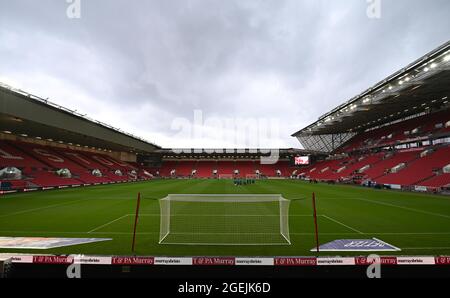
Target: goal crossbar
231,198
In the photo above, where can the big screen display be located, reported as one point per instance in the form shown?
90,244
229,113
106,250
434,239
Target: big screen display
301,160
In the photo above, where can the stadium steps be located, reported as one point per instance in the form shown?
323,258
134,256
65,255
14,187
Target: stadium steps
74,166
226,167
357,164
246,168
425,179
331,172
50,179
437,181
88,178
378,171
27,161
185,168
205,168
420,169
375,165
23,151
93,163
63,162
426,125
31,184
168,166
100,160
75,161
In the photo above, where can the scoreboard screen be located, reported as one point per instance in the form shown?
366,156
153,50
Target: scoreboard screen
301,160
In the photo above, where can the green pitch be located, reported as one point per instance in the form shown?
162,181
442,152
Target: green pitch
419,224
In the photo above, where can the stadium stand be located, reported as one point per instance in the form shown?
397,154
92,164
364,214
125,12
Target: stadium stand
205,168
410,167
226,167
437,181
420,169
373,156
39,165
50,179
417,128
360,163
389,161
185,168
11,156
48,156
245,168
382,164
168,166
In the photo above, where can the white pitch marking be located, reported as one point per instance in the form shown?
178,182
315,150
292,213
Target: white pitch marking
425,248
41,208
108,223
342,224
229,215
403,207
157,233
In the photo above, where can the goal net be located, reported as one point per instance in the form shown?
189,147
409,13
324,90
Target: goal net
226,176
224,220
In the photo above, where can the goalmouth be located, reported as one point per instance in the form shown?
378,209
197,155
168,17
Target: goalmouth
223,219
226,176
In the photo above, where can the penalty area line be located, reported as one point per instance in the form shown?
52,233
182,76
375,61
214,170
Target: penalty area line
403,207
108,223
41,208
426,248
343,224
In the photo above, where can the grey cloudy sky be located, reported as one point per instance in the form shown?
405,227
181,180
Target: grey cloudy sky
144,66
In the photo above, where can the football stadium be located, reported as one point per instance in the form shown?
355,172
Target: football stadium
370,177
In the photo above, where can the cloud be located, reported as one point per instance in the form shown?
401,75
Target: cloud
140,65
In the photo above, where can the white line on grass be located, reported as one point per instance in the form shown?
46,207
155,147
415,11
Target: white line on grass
229,215
411,233
41,208
292,233
343,224
403,207
108,223
157,233
425,248
225,244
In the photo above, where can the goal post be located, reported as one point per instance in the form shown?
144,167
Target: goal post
193,219
251,176
226,176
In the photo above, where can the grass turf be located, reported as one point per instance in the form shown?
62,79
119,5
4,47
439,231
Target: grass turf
419,224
